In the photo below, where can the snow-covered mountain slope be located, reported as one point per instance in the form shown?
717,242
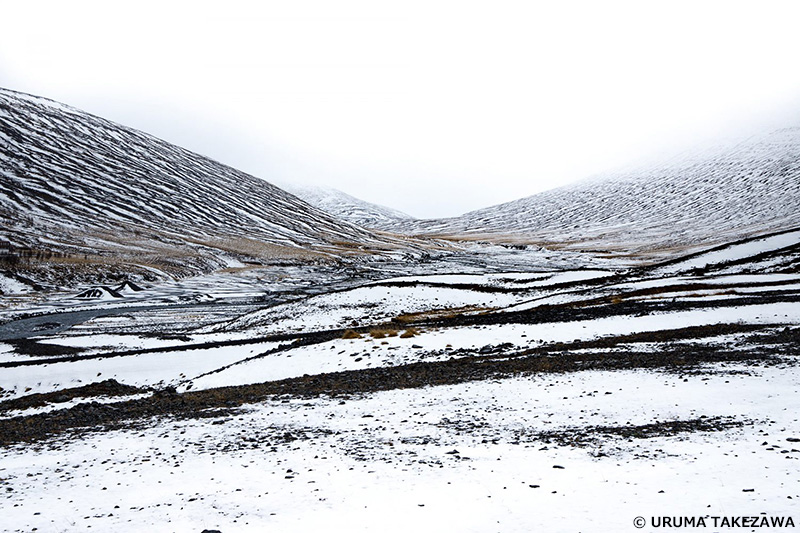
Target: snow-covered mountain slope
347,207
77,186
707,198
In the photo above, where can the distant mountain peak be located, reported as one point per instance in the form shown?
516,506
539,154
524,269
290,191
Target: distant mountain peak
347,207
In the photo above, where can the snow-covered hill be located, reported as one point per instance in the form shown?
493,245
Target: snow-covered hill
347,207
75,187
707,198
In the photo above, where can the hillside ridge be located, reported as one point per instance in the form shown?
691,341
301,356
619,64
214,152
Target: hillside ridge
697,199
76,185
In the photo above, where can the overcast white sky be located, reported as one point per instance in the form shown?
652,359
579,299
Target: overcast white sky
434,108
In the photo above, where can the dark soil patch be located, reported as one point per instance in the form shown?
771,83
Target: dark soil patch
592,435
109,387
40,349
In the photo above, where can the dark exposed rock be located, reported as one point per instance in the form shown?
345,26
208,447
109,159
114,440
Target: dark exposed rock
109,387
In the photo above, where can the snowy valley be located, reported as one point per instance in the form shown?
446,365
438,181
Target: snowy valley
184,347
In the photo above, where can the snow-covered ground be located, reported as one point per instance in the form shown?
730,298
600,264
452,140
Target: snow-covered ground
735,252
435,344
505,279
681,402
250,363
458,458
390,307
11,286
146,369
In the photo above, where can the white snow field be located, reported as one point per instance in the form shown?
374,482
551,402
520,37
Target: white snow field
458,458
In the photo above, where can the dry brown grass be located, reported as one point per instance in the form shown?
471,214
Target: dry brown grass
409,332
351,334
444,313
380,333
